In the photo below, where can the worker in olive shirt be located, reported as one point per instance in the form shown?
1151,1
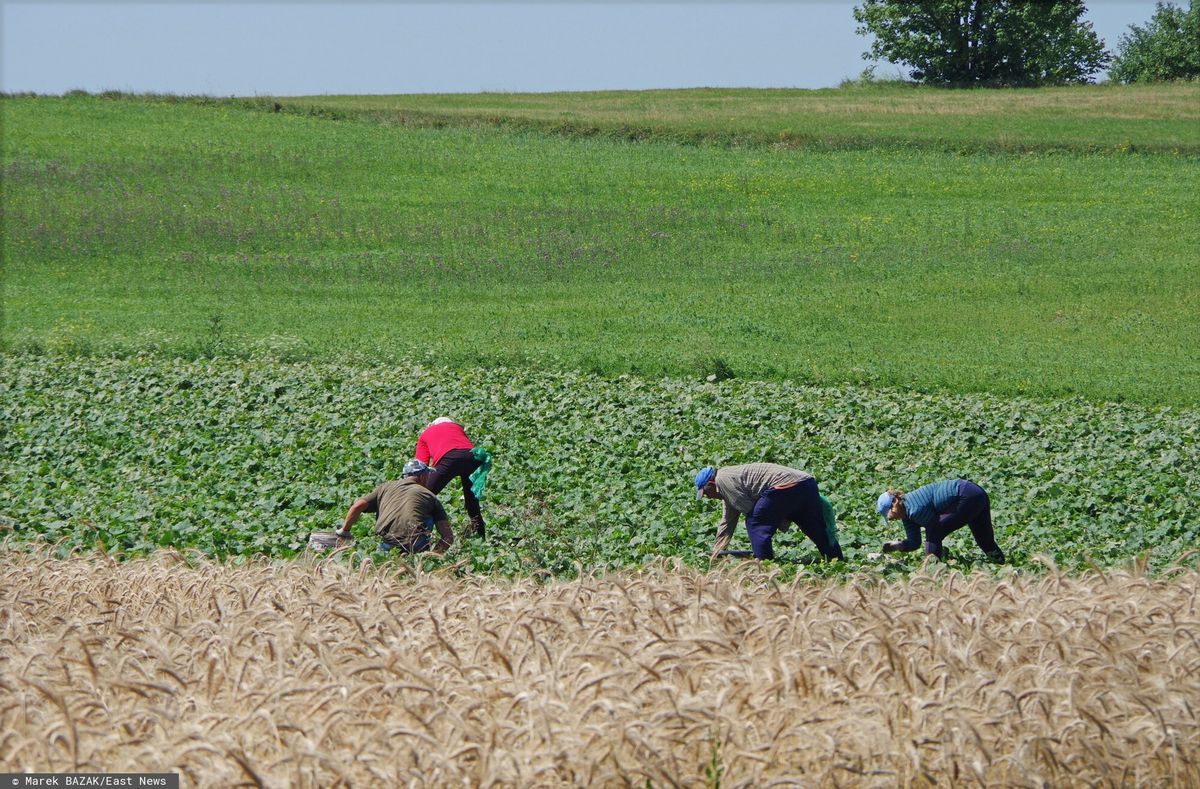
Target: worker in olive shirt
770,496
406,513
940,507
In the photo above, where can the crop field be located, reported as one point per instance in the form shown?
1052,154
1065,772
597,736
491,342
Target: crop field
241,457
313,674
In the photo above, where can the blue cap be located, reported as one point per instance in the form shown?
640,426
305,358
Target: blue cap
884,504
415,467
703,477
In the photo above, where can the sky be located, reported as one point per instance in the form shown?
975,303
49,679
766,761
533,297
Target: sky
305,48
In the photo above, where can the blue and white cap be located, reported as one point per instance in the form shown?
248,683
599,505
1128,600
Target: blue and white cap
884,504
703,477
414,467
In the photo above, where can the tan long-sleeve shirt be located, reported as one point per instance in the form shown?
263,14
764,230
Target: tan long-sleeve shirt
739,488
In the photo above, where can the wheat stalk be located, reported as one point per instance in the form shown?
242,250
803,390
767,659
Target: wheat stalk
315,674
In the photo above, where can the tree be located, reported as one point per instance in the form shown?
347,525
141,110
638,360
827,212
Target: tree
984,42
1168,47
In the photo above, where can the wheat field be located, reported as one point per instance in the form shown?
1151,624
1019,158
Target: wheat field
312,673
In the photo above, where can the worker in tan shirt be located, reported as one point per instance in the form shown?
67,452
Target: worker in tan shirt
770,496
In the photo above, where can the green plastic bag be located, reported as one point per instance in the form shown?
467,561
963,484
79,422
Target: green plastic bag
830,521
479,476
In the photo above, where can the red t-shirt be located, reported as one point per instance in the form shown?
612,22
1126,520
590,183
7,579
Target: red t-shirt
437,440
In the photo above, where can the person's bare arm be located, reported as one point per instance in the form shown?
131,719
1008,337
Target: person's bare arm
445,536
356,509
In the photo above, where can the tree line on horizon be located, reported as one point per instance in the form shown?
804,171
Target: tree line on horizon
1015,43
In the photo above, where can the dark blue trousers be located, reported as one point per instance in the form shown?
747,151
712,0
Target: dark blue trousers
971,509
419,544
800,504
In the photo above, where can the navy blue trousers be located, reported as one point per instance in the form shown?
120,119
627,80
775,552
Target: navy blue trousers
971,509
419,544
800,504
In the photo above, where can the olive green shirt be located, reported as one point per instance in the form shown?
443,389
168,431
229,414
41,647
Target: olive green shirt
405,509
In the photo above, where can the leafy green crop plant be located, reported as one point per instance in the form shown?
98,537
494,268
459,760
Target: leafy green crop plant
240,457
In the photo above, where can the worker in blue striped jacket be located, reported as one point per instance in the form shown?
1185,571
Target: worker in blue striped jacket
940,507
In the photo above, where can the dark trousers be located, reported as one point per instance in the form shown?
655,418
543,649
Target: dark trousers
419,545
412,542
800,504
971,509
459,463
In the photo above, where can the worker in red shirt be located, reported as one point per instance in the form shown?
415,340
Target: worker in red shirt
445,446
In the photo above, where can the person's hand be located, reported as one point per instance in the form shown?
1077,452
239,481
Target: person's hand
342,533
721,544
893,546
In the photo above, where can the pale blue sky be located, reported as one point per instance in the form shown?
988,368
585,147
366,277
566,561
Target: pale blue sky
290,48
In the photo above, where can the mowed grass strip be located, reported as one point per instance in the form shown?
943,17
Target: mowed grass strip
1091,118
193,229
314,675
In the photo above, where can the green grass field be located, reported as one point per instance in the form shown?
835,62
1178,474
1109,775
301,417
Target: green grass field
208,227
1092,118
